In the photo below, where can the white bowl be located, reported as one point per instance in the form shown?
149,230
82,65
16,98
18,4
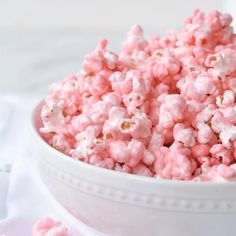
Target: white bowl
120,204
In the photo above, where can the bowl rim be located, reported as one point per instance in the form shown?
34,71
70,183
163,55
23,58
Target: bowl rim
108,172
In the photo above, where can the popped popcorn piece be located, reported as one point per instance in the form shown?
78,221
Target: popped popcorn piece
223,62
111,128
184,135
148,157
63,143
53,119
218,173
119,151
226,131
120,83
226,100
171,110
200,150
135,40
220,152
139,126
162,107
88,143
143,170
130,153
49,227
173,165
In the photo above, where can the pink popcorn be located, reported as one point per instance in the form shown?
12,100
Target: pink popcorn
223,62
107,163
161,64
231,82
101,59
98,160
49,227
112,60
167,165
171,110
162,107
220,152
180,148
98,84
205,115
157,140
143,170
190,64
92,64
160,89
88,143
120,83
80,123
136,149
66,89
119,151
63,143
95,159
133,101
226,131
140,84
200,55
98,112
112,98
111,126
53,118
184,135
217,173
200,150
172,64
123,168
139,126
205,133
135,40
226,172
199,88
205,85
148,157
131,153
204,30
226,100
157,69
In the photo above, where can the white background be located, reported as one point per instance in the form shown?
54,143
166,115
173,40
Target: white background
99,14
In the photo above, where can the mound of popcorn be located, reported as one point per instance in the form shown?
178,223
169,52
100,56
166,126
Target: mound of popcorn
164,107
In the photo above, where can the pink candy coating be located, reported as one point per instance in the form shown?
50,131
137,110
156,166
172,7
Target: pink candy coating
163,107
49,227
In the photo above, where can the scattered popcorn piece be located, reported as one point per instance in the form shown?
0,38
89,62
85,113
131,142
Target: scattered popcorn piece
49,227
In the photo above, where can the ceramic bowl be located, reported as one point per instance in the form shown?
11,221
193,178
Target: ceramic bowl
120,204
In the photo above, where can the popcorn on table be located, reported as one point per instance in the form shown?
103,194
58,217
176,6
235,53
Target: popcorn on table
49,227
163,107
